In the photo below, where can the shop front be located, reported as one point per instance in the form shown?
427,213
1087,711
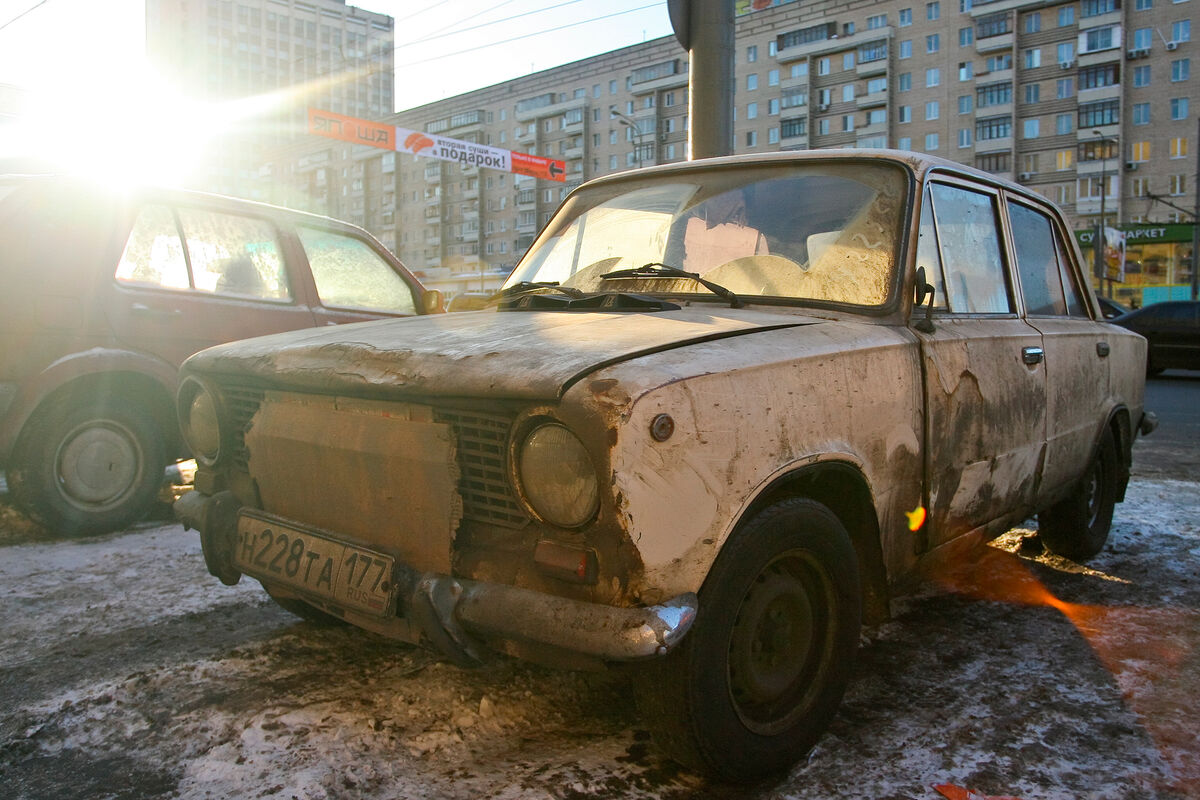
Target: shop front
1156,264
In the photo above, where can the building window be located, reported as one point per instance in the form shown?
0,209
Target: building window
966,36
847,123
1141,113
751,138
848,93
933,77
752,111
876,86
993,94
1065,52
965,104
1105,112
1066,16
1181,70
877,21
773,136
1033,58
773,77
1098,39
1141,76
1000,62
933,43
1179,108
964,137
993,128
1064,123
1031,129
993,162
1094,8
823,127
904,114
1098,76
906,48
875,51
1179,147
848,60
1064,88
992,25
1177,185
1064,160
932,110
905,17
1181,31
823,66
966,70
1143,5
773,107
933,10
877,116
751,54
790,128
904,82
1033,93
931,142
1143,38
799,69
1140,151
1033,22
751,82
904,143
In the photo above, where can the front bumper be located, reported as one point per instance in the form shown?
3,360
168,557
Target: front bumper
453,614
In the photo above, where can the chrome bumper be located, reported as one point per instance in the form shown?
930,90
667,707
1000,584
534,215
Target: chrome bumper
451,612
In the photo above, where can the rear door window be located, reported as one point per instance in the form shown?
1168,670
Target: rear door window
968,234
206,251
349,274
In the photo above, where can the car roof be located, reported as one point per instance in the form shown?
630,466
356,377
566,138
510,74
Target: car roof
919,163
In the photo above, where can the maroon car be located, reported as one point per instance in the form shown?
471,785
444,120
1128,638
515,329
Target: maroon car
106,292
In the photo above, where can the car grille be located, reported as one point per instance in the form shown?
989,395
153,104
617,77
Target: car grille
482,456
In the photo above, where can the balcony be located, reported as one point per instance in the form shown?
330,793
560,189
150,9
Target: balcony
998,145
1104,56
433,173
994,111
678,80
872,100
1088,132
1097,167
1099,93
871,130
992,43
798,141
984,8
994,76
573,152
800,82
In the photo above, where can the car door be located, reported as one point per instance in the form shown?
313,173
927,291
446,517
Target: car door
1077,349
985,388
191,277
353,280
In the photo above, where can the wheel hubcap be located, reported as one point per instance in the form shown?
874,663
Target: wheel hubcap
98,463
780,643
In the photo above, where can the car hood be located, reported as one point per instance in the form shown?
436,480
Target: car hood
533,355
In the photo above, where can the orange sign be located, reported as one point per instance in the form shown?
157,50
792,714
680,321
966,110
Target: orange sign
351,129
539,167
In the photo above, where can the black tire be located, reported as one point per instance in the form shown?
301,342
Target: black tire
1077,526
763,669
87,467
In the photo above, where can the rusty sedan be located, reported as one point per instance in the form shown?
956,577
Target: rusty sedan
720,414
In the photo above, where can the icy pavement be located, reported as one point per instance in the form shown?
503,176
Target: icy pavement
129,672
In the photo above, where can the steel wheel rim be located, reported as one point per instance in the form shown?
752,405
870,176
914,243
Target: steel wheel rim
780,645
1095,492
98,464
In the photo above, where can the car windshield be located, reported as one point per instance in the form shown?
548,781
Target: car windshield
817,231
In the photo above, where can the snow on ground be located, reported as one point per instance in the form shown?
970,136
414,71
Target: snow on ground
129,672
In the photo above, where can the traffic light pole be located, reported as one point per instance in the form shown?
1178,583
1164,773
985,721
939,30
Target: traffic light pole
705,29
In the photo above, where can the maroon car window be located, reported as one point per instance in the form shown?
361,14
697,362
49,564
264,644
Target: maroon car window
349,274
234,255
154,252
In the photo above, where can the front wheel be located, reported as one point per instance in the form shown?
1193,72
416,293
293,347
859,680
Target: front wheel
1077,526
89,466
762,671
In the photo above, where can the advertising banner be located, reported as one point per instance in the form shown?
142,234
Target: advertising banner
428,145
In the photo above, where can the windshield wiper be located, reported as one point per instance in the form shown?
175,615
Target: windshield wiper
521,287
657,269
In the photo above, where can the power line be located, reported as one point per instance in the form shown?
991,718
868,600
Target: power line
439,35
480,14
23,13
423,10
526,36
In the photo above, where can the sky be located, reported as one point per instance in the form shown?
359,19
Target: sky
76,48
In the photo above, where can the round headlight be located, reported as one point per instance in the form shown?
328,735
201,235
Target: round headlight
198,421
557,477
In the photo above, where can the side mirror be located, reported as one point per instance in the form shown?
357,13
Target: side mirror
924,289
434,301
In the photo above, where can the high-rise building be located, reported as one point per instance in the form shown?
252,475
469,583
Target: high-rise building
291,54
1090,102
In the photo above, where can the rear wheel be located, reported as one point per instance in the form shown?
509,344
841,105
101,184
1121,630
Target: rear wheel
762,671
1077,526
89,466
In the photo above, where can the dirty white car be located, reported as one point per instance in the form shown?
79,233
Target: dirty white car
721,412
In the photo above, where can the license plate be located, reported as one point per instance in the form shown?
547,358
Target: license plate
314,564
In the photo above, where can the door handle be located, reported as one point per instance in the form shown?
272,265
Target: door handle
1032,355
144,310
1102,349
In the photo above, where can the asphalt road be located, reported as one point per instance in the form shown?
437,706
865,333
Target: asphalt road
1172,451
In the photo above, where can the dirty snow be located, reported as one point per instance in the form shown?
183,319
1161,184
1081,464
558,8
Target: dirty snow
129,672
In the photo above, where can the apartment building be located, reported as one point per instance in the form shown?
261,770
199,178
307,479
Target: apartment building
289,54
1090,102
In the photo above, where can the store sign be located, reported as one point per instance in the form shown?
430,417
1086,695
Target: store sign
403,140
1143,234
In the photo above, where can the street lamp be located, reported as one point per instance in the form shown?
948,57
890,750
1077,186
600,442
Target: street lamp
1098,244
637,132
